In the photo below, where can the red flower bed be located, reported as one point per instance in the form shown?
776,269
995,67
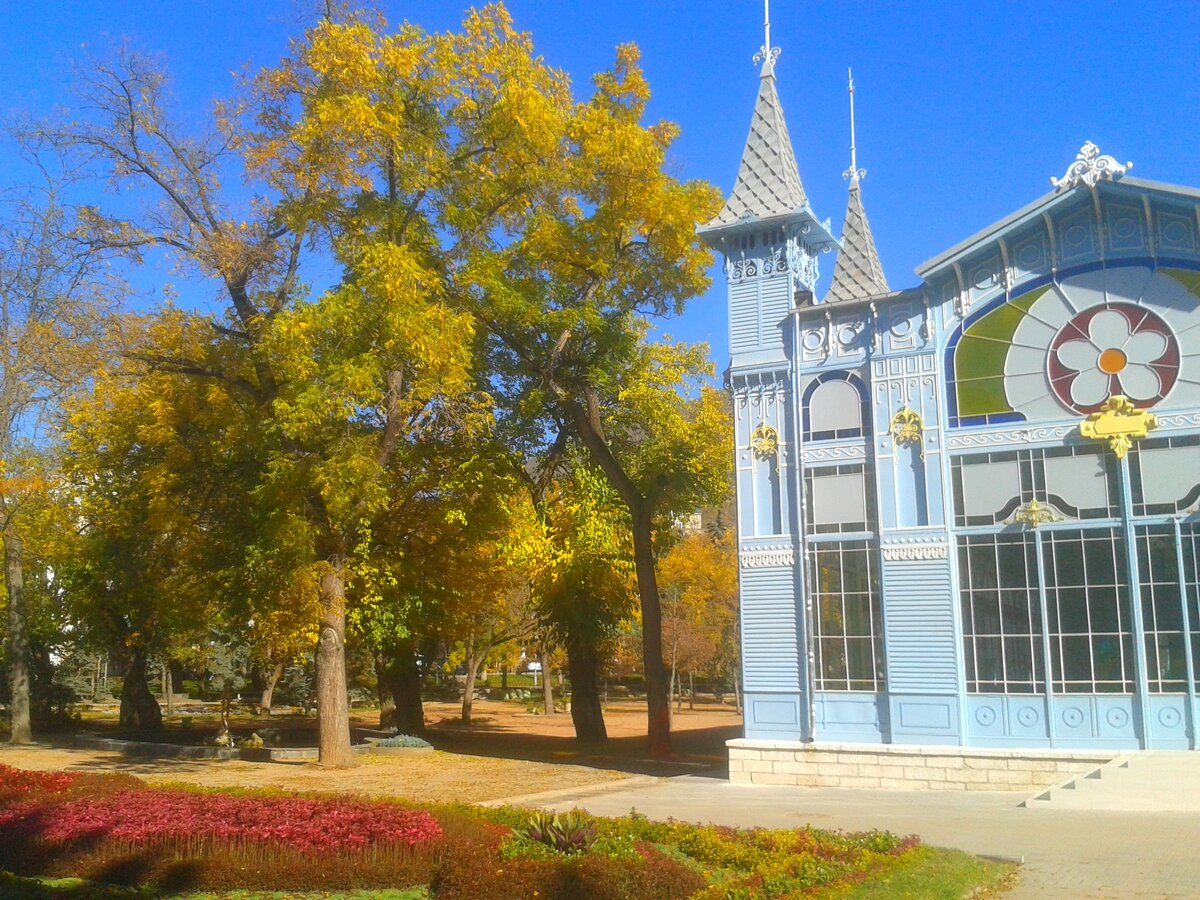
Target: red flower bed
143,816
19,781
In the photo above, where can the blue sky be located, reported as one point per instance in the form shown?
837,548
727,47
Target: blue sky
964,110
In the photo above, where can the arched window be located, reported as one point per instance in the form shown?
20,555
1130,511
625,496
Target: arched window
835,406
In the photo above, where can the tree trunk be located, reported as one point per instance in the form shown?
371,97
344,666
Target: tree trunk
473,663
270,679
691,690
387,704
658,700
547,684
168,688
403,678
504,680
737,692
333,701
583,666
139,709
18,640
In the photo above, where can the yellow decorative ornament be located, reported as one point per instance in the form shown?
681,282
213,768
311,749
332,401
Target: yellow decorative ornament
1118,422
908,428
764,441
1033,514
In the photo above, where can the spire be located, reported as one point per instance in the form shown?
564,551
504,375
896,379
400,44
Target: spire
768,179
858,272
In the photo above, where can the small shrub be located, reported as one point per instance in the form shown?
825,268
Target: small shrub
571,832
590,876
402,740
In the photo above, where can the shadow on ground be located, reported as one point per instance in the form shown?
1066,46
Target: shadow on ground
698,751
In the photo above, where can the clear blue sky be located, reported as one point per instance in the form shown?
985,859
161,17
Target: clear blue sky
965,110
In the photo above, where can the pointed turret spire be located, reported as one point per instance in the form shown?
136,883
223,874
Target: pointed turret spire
768,179
858,272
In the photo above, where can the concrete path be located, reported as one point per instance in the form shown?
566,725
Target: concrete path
1066,852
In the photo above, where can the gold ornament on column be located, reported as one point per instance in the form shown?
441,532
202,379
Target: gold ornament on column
764,441
908,428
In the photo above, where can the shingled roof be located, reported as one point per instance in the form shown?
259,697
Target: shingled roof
858,273
768,180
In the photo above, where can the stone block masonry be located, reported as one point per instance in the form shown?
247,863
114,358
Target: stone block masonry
905,768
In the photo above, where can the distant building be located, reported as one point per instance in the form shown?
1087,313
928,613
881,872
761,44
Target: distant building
967,510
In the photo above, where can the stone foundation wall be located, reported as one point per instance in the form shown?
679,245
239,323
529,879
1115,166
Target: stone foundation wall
908,768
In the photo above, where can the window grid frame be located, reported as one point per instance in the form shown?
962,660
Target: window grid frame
868,549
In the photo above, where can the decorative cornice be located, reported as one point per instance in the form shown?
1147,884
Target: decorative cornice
831,454
764,559
1090,167
911,550
960,441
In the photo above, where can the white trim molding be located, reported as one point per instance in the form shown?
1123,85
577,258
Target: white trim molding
905,551
772,557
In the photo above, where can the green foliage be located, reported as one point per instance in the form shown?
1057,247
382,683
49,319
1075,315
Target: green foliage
403,740
570,832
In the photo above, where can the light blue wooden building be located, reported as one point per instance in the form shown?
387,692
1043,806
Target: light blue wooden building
967,510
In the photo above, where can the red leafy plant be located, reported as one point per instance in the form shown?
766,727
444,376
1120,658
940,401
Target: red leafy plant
19,782
151,816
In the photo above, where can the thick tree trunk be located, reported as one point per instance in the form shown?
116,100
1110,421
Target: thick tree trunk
587,713
402,676
737,692
270,679
473,663
658,699
547,684
18,640
139,709
333,701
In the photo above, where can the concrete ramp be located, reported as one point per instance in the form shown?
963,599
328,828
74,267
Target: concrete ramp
1148,781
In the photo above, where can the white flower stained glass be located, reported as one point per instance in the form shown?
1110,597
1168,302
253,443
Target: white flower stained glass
1119,348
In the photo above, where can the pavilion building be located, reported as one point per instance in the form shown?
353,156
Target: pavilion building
967,510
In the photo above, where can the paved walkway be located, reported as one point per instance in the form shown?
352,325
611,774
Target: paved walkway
1066,852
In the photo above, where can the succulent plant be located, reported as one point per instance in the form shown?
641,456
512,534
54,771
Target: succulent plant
571,832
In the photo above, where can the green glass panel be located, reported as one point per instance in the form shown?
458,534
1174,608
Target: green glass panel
980,355
982,397
1189,279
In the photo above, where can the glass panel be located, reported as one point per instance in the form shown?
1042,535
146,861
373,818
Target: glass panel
1078,482
1001,624
840,499
989,485
1169,474
1089,614
848,618
1162,614
834,411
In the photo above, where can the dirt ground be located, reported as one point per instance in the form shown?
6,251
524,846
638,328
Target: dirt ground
504,752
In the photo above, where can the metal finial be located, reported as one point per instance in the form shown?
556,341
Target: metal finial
766,53
854,172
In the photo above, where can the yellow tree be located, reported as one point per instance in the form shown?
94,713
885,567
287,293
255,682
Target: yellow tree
699,581
51,305
611,242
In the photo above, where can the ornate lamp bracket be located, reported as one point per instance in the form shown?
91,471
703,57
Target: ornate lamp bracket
764,441
1119,423
908,428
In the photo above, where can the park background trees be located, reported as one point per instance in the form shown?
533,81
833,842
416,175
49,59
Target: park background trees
472,433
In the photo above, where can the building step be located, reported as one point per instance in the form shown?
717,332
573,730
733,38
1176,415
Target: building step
1151,780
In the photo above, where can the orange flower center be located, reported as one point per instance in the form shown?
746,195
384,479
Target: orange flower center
1112,361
